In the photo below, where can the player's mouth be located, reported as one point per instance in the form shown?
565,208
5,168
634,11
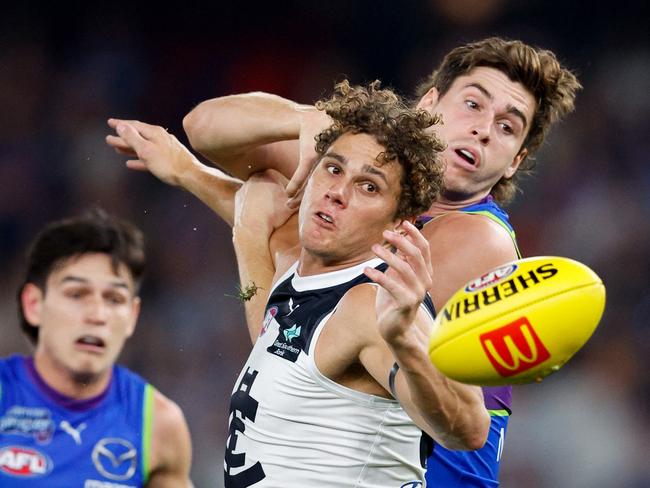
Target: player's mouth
469,156
90,343
325,220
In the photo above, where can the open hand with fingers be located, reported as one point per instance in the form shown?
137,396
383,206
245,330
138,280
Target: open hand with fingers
405,282
154,149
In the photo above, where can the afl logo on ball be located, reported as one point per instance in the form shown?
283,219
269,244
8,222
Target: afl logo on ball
491,278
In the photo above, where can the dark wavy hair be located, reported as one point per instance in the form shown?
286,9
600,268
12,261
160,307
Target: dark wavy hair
93,232
400,129
553,87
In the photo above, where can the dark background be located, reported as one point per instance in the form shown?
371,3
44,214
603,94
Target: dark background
64,69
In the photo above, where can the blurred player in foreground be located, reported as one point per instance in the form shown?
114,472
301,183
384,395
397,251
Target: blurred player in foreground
69,416
319,401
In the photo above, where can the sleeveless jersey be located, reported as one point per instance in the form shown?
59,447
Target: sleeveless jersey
480,468
49,440
291,426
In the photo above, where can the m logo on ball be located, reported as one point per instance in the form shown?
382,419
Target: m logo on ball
514,348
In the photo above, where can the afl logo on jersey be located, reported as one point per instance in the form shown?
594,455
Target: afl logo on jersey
272,312
412,484
24,462
491,278
115,459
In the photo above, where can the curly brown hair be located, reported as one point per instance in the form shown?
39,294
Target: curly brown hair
553,87
400,129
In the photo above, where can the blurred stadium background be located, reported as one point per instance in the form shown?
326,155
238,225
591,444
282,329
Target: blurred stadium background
65,69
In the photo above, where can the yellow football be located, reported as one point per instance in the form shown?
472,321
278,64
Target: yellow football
517,323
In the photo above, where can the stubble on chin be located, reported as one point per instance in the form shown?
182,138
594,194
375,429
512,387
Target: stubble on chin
85,378
454,195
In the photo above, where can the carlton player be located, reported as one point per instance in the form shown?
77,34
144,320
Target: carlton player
339,384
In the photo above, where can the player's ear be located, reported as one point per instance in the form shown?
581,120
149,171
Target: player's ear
399,222
429,100
31,301
514,166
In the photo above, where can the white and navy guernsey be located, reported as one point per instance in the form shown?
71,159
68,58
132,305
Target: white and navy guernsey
52,441
290,426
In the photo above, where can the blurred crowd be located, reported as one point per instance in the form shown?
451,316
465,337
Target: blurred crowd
64,72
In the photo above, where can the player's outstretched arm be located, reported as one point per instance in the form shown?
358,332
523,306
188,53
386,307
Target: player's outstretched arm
452,413
171,447
153,149
252,132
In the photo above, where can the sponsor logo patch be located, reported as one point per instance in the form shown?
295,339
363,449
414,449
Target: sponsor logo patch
514,347
272,312
283,347
24,462
28,422
291,333
115,459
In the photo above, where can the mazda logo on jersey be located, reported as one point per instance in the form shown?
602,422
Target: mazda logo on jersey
115,459
24,462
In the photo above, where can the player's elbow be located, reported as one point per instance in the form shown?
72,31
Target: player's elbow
196,127
477,432
471,434
476,440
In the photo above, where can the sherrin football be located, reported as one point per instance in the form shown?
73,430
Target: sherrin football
517,323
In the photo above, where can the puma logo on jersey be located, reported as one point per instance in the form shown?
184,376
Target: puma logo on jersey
291,307
74,433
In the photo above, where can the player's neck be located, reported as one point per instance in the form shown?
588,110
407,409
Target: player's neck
67,383
311,264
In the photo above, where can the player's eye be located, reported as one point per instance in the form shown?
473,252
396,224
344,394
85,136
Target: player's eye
369,187
472,104
115,298
333,169
75,293
506,127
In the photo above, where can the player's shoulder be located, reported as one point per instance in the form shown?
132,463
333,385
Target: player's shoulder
464,223
10,363
460,232
357,306
168,415
4,363
171,449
